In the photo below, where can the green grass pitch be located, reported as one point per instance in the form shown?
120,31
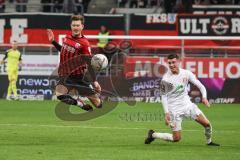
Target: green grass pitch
30,130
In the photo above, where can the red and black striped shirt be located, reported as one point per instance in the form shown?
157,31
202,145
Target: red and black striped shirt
73,54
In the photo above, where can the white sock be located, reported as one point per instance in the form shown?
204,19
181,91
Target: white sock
208,134
163,136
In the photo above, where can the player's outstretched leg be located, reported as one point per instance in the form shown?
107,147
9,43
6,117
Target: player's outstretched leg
152,135
149,138
201,119
71,101
61,93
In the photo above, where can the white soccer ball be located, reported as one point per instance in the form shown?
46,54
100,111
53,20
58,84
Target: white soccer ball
99,62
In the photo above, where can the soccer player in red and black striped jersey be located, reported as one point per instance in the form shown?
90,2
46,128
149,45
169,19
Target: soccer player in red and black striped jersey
75,58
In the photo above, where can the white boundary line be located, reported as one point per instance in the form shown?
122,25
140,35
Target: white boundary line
103,127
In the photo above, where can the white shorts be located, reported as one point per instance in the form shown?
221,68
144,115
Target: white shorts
190,112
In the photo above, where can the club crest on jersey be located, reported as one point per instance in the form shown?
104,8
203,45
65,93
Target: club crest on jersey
68,48
77,45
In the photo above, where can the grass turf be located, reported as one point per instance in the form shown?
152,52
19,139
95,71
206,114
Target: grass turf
30,130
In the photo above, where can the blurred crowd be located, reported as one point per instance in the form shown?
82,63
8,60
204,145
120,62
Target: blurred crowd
81,6
173,6
55,6
138,3
58,6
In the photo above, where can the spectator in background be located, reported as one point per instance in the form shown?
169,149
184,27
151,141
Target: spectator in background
153,3
122,3
133,4
217,1
199,2
46,5
103,42
78,6
81,5
85,5
142,3
21,5
178,6
103,32
138,3
187,6
237,2
169,5
58,6
2,6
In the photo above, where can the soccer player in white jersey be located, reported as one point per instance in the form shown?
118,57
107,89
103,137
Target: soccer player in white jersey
177,104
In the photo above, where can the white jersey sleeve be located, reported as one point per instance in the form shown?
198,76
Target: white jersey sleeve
196,82
164,98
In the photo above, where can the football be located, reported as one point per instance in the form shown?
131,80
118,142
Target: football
99,62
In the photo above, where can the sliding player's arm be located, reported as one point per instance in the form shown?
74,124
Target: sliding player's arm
196,82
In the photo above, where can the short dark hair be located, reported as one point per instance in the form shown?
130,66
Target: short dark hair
172,56
77,18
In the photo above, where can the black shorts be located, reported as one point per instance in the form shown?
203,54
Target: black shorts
82,85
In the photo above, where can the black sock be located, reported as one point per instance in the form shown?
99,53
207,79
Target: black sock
67,99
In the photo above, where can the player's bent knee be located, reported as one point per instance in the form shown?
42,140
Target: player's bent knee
176,139
208,124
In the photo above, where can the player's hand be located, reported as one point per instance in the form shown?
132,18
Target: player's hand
167,119
205,102
97,86
1,62
50,35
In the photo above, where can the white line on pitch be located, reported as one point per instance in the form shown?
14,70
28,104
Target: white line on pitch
103,127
